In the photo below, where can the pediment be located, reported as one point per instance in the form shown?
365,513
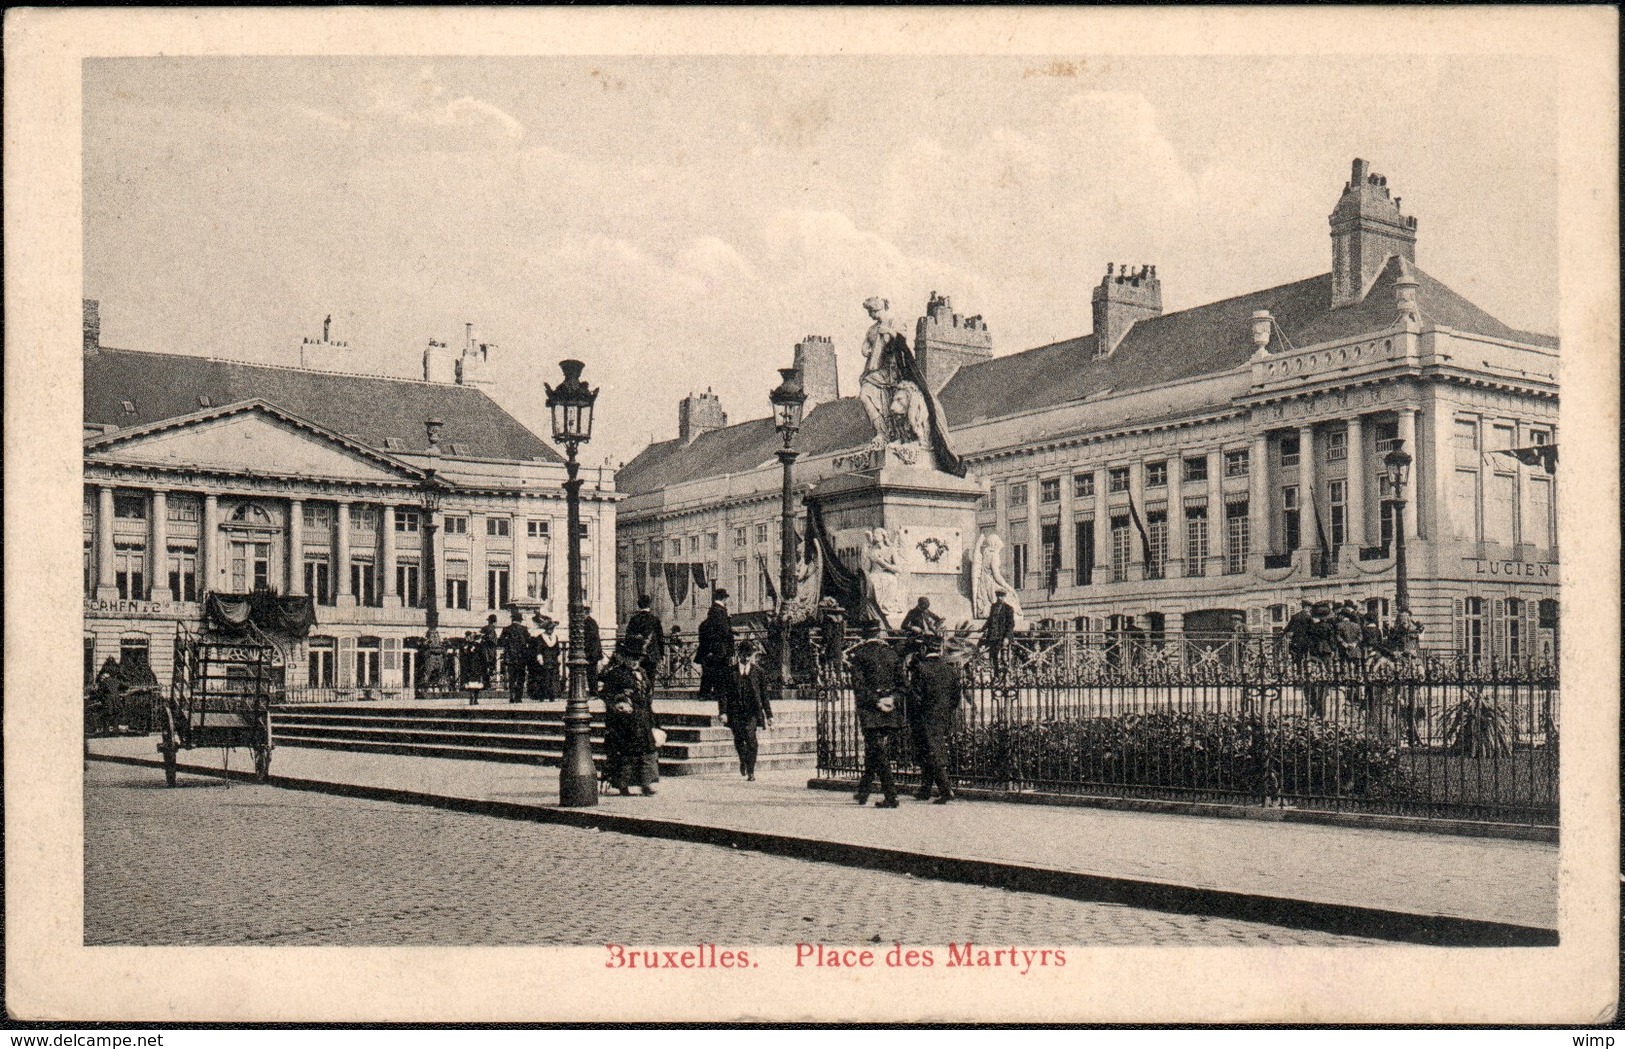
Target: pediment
255,438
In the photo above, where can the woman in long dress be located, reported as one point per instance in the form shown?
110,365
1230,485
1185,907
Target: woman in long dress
631,756
885,578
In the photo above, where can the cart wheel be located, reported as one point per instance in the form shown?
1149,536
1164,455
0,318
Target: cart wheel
171,745
262,763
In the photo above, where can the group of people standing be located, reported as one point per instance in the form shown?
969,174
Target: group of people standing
914,684
732,676
532,665
1324,632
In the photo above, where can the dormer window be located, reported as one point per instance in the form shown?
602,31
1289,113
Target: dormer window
204,402
129,407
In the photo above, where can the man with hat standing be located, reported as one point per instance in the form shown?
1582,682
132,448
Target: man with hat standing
592,646
515,641
715,652
644,629
877,685
997,631
936,695
832,635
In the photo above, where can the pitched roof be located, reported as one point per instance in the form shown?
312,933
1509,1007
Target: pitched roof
365,408
1203,340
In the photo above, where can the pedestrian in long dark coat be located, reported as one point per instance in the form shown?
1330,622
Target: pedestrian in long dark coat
877,686
644,629
832,635
476,668
935,697
747,706
592,647
489,647
515,641
545,650
716,653
631,756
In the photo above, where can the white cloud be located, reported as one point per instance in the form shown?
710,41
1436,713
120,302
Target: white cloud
422,104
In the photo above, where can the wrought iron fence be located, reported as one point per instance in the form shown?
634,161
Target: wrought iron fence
1238,719
347,694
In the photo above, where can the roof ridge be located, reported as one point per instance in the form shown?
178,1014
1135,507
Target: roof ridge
293,368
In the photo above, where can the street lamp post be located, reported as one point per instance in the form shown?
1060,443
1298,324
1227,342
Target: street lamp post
571,404
434,649
788,399
1398,463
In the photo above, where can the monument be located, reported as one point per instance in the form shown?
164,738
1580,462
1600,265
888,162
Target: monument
901,514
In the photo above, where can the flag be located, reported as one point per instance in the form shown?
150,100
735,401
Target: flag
698,568
640,577
1320,526
677,584
1542,455
1145,537
768,588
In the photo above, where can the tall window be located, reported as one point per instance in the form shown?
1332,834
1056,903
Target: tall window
536,577
456,524
536,529
1083,533
1196,468
676,549
368,662
1339,497
1385,525
1235,463
408,521
1289,449
90,568
318,516
496,585
693,544
1237,538
741,578
1156,474
1500,505
1156,528
130,506
1196,544
457,583
761,533
1018,565
182,573
1083,486
130,571
319,668
250,565
741,538
132,649
1121,552
498,527
408,582
1049,546
1117,479
318,579
710,540
364,583
1513,631
1337,445
1291,517
1049,490
1018,494
1472,634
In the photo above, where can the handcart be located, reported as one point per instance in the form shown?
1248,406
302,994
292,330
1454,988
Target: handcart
221,696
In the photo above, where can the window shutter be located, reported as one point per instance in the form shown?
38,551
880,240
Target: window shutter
391,662
1460,619
346,662
1531,626
1498,628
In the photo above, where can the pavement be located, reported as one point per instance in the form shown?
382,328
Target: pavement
1388,884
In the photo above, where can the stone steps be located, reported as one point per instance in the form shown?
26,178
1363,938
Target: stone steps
697,742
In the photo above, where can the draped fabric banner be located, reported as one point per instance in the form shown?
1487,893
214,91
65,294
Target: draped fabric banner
839,581
640,578
290,617
768,588
700,583
677,584
1145,537
942,454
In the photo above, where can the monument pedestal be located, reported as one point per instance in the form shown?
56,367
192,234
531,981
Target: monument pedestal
929,516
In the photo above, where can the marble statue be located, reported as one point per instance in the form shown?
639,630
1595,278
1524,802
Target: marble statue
987,577
885,578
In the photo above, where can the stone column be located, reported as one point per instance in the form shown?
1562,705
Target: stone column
1067,569
208,549
296,547
341,557
1419,469
1308,493
1215,513
1035,548
1176,514
1354,525
520,558
386,556
1258,498
158,546
106,584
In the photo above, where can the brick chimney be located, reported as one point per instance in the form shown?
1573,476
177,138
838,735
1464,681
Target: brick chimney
697,414
93,327
944,341
815,360
1367,230
1121,299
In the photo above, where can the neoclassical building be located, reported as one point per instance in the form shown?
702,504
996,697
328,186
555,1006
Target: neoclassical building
1183,468
214,476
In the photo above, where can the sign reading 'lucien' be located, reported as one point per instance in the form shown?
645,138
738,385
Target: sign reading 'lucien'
1518,569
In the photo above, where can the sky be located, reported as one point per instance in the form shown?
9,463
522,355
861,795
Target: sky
679,223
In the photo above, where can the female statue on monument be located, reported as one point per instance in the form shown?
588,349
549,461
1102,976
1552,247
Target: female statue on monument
895,395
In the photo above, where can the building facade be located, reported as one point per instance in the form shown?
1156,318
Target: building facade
1178,470
209,476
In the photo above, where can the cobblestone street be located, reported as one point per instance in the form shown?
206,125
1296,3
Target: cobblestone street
207,864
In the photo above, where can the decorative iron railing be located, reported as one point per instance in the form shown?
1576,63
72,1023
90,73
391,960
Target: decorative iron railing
1241,720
